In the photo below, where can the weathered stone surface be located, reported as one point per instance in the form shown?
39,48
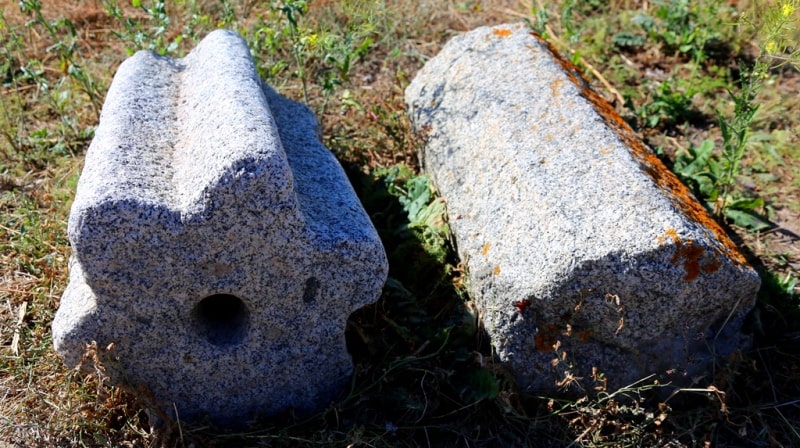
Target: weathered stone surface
582,249
217,244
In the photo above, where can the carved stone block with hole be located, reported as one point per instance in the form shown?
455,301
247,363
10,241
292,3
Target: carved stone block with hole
587,258
218,247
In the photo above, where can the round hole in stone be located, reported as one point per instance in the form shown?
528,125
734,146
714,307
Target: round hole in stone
222,319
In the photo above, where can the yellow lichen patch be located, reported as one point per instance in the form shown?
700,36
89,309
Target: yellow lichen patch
677,192
501,32
496,270
485,249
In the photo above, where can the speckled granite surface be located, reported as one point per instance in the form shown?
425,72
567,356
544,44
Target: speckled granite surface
582,249
216,243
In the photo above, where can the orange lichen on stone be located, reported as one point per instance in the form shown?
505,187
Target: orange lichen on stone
555,86
546,338
711,266
690,254
485,249
583,336
501,32
672,233
679,194
496,270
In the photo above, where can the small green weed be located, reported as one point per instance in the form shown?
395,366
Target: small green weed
701,168
61,91
64,34
572,25
136,36
713,175
151,25
292,11
779,304
425,212
672,102
323,54
680,26
771,26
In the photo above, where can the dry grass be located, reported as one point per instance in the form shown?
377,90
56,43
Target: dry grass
422,364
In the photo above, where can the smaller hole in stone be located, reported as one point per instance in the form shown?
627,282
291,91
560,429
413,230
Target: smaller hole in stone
222,319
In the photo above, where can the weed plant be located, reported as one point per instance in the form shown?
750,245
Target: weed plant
424,373
714,174
772,25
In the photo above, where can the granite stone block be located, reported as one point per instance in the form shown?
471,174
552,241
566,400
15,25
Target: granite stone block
583,250
218,246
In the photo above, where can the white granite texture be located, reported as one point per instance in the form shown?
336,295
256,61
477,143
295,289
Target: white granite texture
217,243
582,249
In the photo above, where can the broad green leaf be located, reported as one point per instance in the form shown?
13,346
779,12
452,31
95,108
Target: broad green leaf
746,204
478,384
747,219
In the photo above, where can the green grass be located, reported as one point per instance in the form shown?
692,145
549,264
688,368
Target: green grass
424,373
